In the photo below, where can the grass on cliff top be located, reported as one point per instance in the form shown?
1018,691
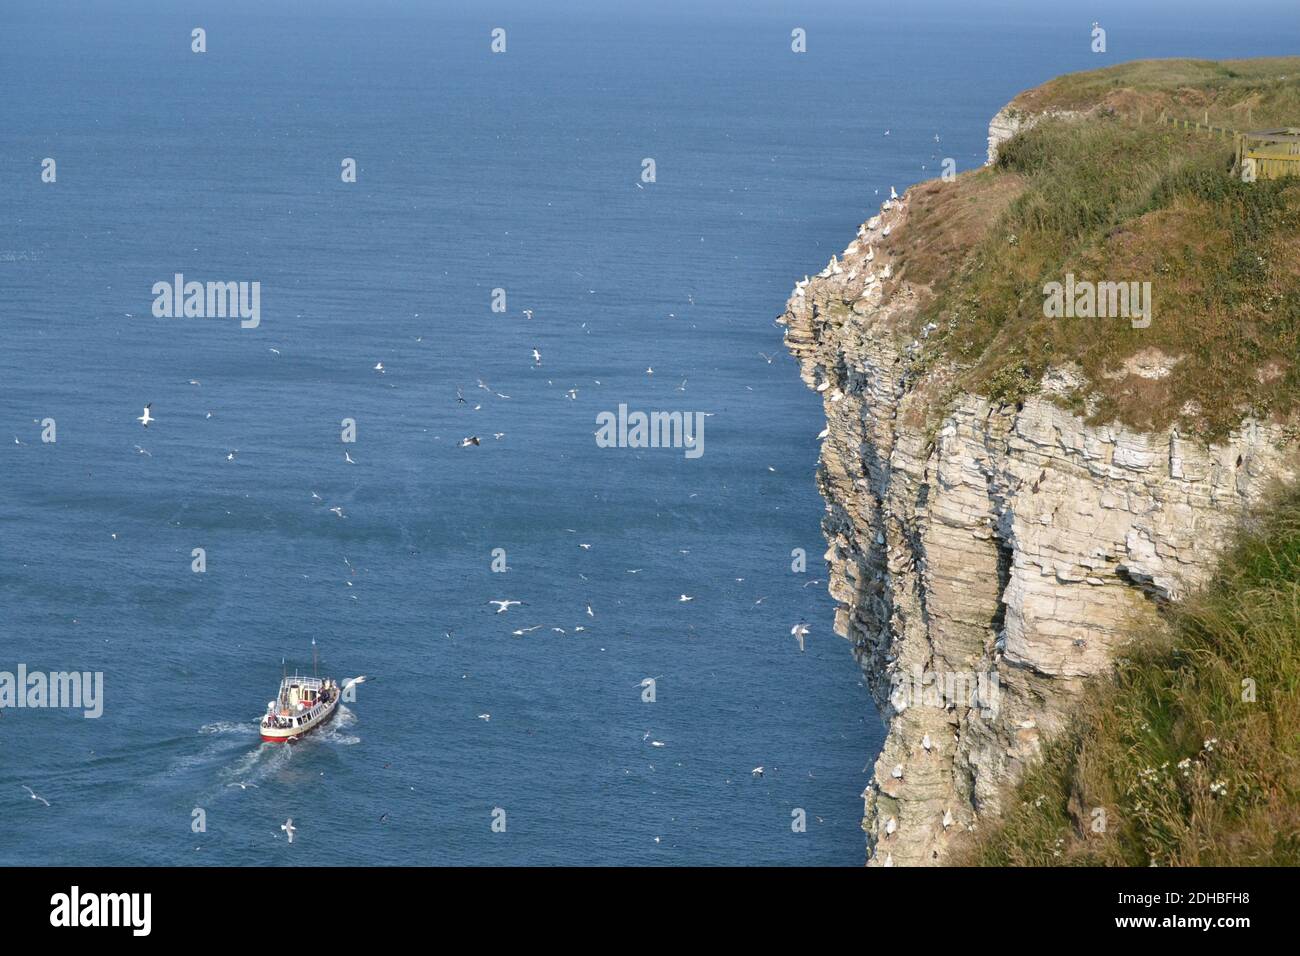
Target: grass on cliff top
1190,755
1117,197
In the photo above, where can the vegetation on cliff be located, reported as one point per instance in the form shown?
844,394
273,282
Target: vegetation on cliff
1190,754
1111,194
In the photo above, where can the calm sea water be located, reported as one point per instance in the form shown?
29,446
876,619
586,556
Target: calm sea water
476,171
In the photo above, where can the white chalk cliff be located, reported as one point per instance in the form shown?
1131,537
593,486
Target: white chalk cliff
1006,548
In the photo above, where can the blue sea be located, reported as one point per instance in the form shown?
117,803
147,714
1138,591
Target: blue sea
477,171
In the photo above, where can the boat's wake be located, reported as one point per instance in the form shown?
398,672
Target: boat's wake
256,765
242,728
252,768
336,731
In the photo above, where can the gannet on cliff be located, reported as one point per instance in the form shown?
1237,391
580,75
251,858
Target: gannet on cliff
898,772
925,742
892,194
891,825
947,819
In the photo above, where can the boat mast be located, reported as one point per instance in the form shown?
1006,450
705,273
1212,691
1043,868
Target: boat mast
315,669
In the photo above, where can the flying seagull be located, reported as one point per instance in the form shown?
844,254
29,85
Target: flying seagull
35,795
288,827
800,631
146,418
503,606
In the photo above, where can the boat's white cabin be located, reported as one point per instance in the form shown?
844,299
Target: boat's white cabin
299,700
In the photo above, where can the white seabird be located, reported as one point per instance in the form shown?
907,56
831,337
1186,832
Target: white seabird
35,795
503,606
800,631
146,418
288,827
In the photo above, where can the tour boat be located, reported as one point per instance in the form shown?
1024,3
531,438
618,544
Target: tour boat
303,704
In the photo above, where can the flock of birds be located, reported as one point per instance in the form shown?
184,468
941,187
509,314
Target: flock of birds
799,631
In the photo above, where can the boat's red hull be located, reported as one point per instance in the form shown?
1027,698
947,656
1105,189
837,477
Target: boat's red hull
290,738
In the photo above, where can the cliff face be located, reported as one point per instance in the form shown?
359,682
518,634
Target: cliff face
1010,120
987,564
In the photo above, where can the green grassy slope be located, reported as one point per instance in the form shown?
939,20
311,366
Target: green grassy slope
1116,196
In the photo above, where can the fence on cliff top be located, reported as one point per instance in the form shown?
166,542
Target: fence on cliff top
1260,154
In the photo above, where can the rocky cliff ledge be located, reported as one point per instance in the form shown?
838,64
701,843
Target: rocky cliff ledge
986,556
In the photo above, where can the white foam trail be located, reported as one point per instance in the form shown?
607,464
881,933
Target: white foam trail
238,728
332,733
